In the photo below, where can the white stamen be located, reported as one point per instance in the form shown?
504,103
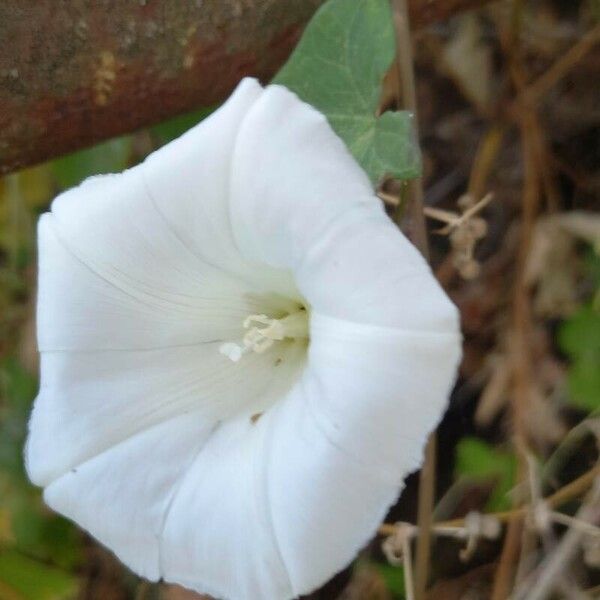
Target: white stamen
263,332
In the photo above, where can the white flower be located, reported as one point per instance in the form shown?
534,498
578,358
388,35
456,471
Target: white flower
241,355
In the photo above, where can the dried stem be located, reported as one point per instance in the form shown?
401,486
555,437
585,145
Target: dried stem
407,97
533,92
575,523
425,517
484,160
485,157
520,355
571,491
409,585
537,183
540,584
418,235
505,571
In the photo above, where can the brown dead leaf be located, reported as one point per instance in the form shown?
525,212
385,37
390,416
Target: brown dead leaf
467,60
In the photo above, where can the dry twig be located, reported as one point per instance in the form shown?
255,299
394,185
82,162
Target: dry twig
540,583
427,479
536,90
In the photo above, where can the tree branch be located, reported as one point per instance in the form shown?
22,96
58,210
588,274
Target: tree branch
73,74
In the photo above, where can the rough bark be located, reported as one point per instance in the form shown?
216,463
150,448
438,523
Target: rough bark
75,72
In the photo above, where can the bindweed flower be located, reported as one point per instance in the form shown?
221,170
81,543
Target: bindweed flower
241,356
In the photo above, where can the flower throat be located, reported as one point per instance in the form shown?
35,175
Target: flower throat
262,332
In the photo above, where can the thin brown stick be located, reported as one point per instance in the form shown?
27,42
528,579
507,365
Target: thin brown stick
409,585
521,365
408,98
520,355
533,92
418,236
425,517
530,94
574,489
570,491
485,157
540,584
506,566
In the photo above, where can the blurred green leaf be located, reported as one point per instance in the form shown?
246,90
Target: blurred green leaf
394,579
338,67
32,529
32,580
173,128
36,185
480,461
108,157
592,266
45,535
19,386
17,390
579,338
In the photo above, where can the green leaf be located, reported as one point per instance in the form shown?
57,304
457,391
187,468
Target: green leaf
45,536
579,338
394,579
17,388
592,266
108,157
338,67
29,579
29,527
173,128
480,461
584,383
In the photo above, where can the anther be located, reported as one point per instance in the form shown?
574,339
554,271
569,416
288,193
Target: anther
263,332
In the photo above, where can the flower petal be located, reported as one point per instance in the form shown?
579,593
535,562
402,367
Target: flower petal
90,401
279,507
154,250
94,304
291,178
190,180
104,494
364,270
231,553
377,392
127,493
324,505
